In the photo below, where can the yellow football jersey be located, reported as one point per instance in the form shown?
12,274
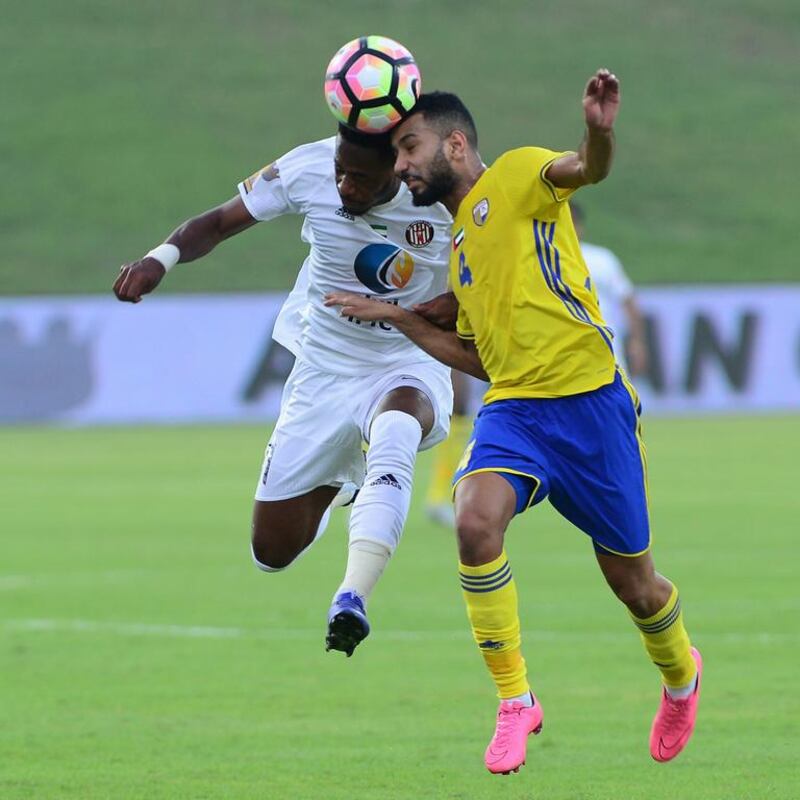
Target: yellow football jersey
524,292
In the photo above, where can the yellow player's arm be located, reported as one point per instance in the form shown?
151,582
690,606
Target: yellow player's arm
193,239
444,346
592,162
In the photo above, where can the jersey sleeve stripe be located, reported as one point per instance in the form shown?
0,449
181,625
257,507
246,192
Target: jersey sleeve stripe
550,264
581,310
554,190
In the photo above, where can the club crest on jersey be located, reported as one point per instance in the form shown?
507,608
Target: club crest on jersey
419,233
480,211
382,268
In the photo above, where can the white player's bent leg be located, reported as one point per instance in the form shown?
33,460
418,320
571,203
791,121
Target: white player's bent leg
323,524
381,507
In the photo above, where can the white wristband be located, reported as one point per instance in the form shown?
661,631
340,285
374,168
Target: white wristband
166,254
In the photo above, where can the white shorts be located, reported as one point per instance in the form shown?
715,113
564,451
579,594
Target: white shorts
324,419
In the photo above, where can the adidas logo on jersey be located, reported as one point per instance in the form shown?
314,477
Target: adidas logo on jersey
386,480
343,212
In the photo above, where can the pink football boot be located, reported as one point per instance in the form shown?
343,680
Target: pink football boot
515,721
674,721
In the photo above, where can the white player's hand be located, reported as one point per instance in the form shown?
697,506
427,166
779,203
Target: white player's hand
138,278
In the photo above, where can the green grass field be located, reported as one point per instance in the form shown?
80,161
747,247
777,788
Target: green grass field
123,119
142,656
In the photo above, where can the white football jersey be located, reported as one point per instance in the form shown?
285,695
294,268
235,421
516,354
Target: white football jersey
396,252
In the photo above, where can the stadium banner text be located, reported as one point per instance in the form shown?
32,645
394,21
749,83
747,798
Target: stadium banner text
210,358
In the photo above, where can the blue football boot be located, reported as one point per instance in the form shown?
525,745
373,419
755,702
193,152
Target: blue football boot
347,623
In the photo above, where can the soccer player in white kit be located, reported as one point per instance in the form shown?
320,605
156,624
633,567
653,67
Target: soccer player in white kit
352,382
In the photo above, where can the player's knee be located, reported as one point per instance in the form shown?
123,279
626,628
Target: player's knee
638,593
267,560
480,537
271,553
394,439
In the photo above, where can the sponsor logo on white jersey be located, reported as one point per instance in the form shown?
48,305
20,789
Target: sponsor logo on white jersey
383,267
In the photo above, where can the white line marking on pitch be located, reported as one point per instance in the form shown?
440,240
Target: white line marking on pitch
211,632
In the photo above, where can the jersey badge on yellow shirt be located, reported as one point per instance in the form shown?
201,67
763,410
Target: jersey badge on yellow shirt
458,238
480,211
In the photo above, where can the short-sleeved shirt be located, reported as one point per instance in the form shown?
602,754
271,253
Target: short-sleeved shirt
396,252
524,292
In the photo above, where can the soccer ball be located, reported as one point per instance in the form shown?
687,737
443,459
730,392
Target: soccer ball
371,83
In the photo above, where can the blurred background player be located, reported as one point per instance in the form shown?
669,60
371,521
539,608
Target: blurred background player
351,382
439,500
617,298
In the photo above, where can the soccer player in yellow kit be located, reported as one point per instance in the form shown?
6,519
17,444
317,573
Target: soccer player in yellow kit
560,419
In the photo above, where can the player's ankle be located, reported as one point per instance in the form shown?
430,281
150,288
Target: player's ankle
682,692
526,699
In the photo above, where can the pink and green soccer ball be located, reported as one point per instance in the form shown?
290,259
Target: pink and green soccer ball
372,83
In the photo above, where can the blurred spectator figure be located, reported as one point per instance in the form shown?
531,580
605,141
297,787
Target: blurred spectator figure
439,502
617,298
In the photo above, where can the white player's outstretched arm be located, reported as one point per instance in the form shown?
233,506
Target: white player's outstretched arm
193,239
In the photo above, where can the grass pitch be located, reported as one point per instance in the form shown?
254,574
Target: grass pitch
142,656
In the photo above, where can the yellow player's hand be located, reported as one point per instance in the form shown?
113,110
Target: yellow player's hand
601,100
367,309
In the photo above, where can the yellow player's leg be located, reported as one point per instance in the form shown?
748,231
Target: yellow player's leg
490,595
667,643
655,607
485,504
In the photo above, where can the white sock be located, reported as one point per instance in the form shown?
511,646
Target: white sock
682,692
323,524
526,699
344,496
365,564
380,509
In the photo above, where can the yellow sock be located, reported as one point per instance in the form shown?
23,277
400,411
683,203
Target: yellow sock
447,456
491,597
667,643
